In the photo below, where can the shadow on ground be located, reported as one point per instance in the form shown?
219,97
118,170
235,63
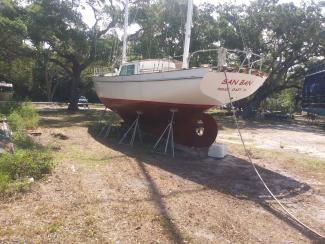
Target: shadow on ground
231,175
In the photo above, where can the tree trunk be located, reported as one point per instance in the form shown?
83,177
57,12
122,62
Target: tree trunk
47,81
53,90
251,105
74,93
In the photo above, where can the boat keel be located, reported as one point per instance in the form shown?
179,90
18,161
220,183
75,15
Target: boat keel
197,130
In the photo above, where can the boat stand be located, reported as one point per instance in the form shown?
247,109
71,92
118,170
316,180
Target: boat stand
134,129
169,132
106,129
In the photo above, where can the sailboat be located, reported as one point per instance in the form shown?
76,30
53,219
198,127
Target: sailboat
157,87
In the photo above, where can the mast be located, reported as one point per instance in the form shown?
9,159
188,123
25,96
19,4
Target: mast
125,36
187,34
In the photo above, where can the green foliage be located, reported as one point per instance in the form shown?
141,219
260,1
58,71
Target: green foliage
26,163
162,32
4,181
283,101
12,29
62,47
16,168
72,43
290,37
16,122
14,61
23,141
23,116
29,115
29,159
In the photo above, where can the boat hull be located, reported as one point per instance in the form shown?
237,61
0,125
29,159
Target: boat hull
190,92
199,86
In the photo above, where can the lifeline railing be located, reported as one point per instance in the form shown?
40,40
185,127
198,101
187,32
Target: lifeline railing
103,70
227,56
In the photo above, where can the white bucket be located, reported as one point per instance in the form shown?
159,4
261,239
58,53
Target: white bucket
217,150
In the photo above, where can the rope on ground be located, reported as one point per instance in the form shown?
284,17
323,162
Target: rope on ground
258,174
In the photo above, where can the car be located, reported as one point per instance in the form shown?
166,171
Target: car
83,102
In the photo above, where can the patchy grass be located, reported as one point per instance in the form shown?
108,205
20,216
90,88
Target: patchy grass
102,193
55,226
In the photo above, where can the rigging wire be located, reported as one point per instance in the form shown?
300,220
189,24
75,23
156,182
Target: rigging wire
113,49
257,172
242,36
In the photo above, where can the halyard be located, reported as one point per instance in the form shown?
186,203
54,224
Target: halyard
109,193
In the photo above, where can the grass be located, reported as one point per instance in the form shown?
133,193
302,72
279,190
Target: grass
54,226
29,160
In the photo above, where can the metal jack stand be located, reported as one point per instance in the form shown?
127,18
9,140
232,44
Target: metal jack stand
169,130
106,129
134,128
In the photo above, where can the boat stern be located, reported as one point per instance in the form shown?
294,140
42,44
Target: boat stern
215,84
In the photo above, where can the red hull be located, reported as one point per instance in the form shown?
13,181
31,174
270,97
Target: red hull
155,117
152,111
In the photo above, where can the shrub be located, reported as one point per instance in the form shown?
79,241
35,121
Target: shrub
29,114
26,163
16,122
4,181
23,116
30,159
23,141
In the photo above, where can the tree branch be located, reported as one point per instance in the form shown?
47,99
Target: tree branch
64,66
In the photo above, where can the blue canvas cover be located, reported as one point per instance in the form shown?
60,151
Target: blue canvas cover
314,93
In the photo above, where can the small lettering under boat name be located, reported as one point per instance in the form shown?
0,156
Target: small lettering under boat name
233,89
237,83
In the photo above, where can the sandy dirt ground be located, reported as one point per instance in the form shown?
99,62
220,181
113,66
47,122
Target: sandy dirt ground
102,192
301,139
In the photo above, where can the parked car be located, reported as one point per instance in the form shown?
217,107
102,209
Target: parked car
83,102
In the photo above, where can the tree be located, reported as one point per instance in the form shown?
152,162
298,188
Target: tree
289,36
47,76
13,30
15,60
162,28
59,26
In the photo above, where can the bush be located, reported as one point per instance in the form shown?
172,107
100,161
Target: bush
29,114
23,116
30,159
4,181
25,163
16,122
23,141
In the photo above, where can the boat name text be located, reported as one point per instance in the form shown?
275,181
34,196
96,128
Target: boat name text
238,82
